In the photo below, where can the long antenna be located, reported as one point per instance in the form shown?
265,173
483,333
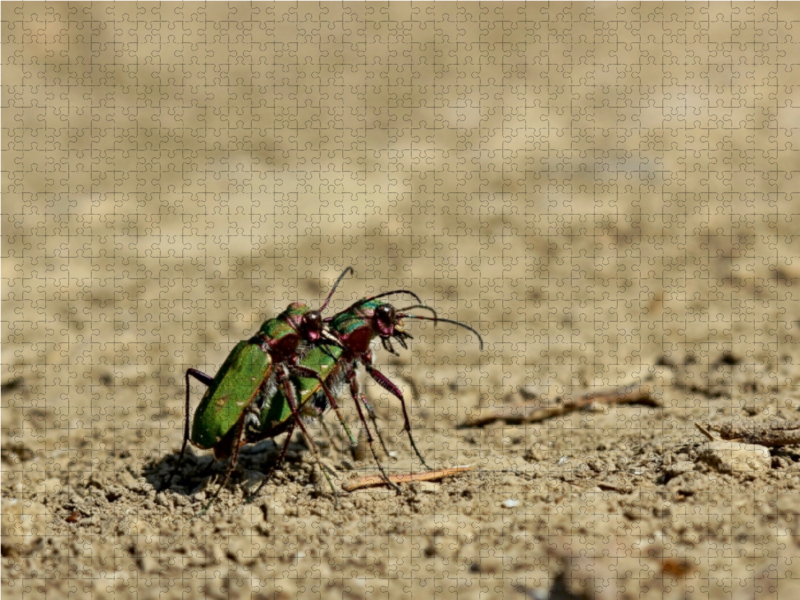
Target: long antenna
425,306
335,285
437,320
365,300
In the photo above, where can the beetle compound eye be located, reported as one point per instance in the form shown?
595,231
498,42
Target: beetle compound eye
312,325
385,320
385,314
313,321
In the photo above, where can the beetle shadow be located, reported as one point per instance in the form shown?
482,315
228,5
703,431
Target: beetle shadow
199,471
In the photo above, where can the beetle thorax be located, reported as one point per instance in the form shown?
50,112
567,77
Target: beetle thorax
285,349
358,341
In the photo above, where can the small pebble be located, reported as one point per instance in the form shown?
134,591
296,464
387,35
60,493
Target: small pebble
428,487
510,503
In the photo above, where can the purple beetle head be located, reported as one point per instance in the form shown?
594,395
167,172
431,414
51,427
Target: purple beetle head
307,322
385,321
311,326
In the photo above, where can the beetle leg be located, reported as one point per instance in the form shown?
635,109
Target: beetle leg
358,397
274,466
390,387
231,467
367,360
329,435
205,380
288,388
374,420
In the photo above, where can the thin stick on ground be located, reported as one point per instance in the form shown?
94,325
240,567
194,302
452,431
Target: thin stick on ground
378,480
771,434
631,394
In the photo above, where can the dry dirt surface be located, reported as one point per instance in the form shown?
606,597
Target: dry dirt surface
606,192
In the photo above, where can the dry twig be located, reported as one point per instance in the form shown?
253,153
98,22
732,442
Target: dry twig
377,480
640,394
776,433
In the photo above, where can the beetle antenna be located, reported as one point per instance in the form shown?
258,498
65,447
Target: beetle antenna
365,300
437,320
335,285
404,309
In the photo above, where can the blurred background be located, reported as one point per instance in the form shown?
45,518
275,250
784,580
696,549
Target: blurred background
595,188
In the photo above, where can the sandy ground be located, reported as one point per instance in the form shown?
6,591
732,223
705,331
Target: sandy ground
606,192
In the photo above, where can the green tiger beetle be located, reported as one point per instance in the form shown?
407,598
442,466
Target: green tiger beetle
355,329
229,415
335,365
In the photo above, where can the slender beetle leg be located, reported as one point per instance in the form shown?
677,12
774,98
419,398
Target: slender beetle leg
206,380
283,378
274,466
231,467
355,391
374,420
367,360
386,384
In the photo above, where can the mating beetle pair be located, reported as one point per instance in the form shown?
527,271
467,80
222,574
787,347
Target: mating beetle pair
293,369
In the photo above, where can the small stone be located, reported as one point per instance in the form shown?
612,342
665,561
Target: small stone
428,487
730,457
510,503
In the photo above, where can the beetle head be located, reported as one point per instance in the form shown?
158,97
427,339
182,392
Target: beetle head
311,325
385,321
